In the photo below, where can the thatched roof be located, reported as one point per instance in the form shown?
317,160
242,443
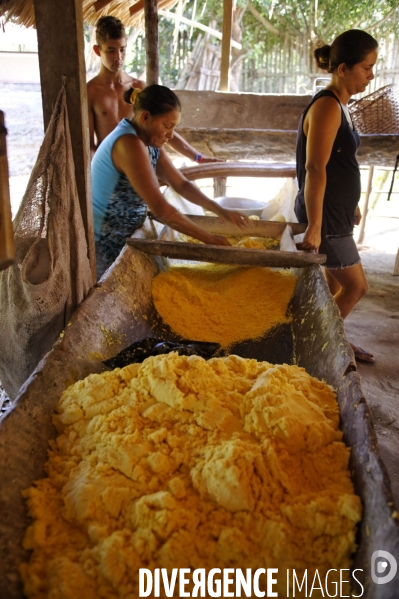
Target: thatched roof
130,13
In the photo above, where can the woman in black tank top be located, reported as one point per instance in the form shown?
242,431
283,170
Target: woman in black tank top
327,169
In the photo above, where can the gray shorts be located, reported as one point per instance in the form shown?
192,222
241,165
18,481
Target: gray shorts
341,252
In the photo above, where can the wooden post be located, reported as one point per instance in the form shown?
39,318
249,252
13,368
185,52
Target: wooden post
151,41
226,46
362,227
219,186
61,53
7,253
396,265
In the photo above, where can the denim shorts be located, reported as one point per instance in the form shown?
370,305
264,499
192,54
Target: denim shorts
341,251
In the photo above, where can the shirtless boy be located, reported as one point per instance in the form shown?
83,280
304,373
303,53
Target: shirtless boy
105,91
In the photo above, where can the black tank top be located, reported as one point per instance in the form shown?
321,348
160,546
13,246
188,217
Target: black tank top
343,186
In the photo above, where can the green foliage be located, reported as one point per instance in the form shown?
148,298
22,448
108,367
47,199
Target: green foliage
296,18
170,63
268,26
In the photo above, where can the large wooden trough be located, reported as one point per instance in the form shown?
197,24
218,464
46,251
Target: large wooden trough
119,311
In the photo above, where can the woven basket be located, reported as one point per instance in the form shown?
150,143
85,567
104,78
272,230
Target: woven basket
378,112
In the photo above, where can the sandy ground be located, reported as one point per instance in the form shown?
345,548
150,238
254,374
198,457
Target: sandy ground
373,323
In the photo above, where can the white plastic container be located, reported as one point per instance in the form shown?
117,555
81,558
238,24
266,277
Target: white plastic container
243,205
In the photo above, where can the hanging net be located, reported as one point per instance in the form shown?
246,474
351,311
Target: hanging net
51,275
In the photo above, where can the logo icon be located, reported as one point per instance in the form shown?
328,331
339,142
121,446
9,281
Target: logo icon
383,567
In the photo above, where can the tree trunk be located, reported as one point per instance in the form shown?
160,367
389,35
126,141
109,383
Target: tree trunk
151,41
237,55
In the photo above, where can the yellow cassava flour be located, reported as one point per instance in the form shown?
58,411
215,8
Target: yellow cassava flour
179,462
246,241
222,304
256,243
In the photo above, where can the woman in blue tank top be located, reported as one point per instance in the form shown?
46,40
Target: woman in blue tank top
327,169
125,172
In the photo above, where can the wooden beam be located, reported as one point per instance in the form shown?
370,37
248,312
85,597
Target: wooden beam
219,186
100,4
213,32
225,255
136,8
215,224
61,53
7,250
139,6
151,41
238,169
396,266
369,189
262,19
226,46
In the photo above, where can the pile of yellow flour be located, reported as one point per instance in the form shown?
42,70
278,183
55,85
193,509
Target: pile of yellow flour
179,462
222,304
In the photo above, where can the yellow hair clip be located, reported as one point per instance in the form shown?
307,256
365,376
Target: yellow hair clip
133,96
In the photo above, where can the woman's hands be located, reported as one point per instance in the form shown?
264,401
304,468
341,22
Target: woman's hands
130,156
218,240
167,171
311,240
233,217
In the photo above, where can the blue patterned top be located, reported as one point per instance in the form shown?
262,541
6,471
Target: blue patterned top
118,209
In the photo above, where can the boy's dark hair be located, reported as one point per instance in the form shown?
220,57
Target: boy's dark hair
109,28
351,47
157,99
